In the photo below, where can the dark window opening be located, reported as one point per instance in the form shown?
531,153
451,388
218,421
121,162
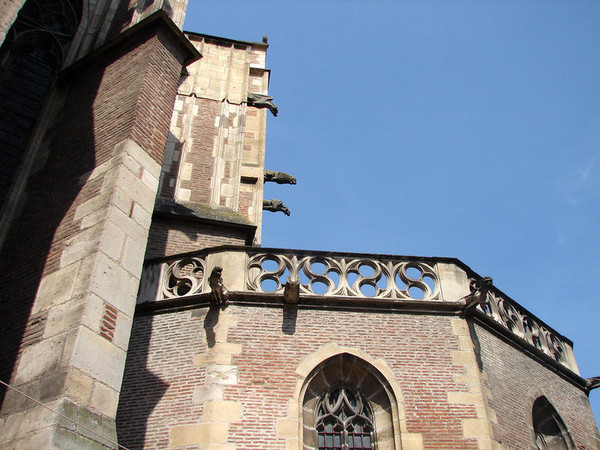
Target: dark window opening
34,49
550,431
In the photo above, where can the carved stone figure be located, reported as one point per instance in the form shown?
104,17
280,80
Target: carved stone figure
279,177
220,296
592,383
291,291
262,101
479,292
275,205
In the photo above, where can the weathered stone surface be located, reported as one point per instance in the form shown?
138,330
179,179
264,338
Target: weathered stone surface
132,185
226,347
206,393
201,433
62,317
99,358
222,411
36,439
122,331
79,386
92,314
235,264
131,228
38,418
104,399
56,288
114,284
133,256
9,425
81,245
141,215
213,358
51,386
39,358
220,374
455,284
287,427
99,432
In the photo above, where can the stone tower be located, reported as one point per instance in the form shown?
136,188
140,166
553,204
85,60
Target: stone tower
83,135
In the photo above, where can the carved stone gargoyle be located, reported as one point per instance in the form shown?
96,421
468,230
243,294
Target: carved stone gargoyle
262,101
479,292
592,383
275,205
279,177
291,292
220,295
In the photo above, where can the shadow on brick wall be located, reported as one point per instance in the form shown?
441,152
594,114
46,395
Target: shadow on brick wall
141,390
288,323
39,230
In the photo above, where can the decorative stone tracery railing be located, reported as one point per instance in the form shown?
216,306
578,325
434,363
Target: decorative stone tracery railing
389,280
344,276
511,316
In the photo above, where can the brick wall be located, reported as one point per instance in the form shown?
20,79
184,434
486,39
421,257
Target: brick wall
272,344
152,400
173,237
515,381
195,172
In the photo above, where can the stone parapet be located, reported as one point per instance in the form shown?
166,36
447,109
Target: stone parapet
352,280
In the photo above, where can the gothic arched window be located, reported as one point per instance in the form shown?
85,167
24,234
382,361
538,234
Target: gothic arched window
344,420
341,398
550,431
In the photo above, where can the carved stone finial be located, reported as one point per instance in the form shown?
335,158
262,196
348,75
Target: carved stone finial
220,295
279,177
275,205
479,292
262,101
592,383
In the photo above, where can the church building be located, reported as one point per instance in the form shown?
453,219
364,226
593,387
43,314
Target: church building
140,311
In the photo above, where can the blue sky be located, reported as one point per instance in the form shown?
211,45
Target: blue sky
468,129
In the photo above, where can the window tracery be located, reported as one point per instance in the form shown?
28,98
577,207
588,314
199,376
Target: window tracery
344,420
341,398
